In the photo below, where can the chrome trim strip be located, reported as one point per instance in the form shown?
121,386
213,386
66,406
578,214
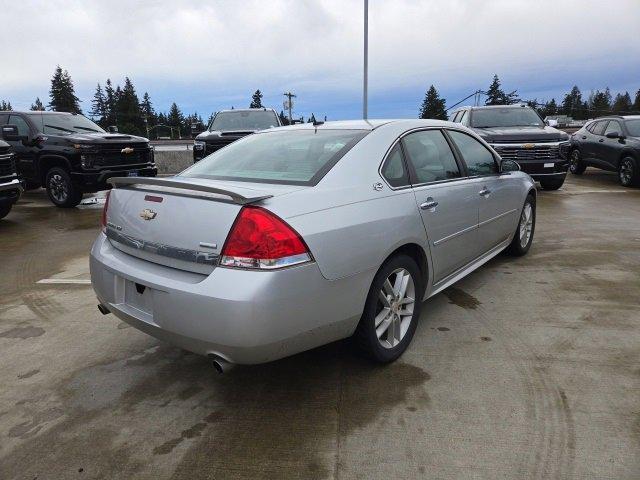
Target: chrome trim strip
496,217
453,235
12,185
184,254
495,146
166,182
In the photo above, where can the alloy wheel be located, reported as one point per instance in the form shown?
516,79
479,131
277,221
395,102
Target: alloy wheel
526,225
396,301
58,188
575,161
626,172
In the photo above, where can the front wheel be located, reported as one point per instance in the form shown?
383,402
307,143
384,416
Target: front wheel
61,190
523,237
392,310
552,183
576,165
4,210
628,172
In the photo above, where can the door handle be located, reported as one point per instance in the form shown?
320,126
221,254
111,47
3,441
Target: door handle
584,137
601,140
430,204
485,192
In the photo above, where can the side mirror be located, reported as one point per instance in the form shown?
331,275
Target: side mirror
112,129
614,135
10,133
509,166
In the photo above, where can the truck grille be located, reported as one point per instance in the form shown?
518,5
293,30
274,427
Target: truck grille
539,152
114,157
7,165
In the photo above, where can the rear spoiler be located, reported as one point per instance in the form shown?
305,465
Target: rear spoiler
165,182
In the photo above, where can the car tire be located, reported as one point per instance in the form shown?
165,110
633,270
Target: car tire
629,172
4,210
527,222
576,165
552,183
403,295
60,189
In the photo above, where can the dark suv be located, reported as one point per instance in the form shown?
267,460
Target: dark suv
518,133
70,155
229,125
611,143
10,185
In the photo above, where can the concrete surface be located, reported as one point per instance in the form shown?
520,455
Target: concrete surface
173,161
528,368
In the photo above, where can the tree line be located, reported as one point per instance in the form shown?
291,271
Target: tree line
573,104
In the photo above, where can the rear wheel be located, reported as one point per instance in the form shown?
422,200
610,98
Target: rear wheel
523,237
392,310
628,172
576,165
4,210
552,183
61,190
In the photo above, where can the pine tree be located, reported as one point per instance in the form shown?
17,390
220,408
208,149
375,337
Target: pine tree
37,106
5,106
256,100
636,103
128,109
497,96
433,106
110,104
622,103
549,108
62,93
147,110
600,102
99,107
573,106
175,118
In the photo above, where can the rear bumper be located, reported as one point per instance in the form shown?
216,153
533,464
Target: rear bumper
243,316
93,181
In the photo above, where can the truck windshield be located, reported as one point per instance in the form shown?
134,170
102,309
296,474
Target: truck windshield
505,117
244,120
291,157
57,124
634,127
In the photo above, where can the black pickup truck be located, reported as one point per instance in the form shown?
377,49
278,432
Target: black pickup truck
10,185
70,155
518,133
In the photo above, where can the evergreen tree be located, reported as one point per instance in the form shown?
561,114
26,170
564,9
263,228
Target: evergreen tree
636,103
549,108
62,93
622,103
433,106
600,102
99,107
37,106
256,100
5,106
497,96
573,106
128,110
175,119
110,104
147,110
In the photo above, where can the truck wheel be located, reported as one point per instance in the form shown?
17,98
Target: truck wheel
628,172
576,165
61,190
552,183
4,210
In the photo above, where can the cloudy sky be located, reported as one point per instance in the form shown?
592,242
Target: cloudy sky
208,55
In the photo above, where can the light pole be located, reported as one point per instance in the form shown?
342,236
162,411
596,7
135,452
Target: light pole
289,103
366,60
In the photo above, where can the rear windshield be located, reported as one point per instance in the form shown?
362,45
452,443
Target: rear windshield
244,120
505,117
293,157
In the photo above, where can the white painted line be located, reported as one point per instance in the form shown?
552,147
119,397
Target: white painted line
65,281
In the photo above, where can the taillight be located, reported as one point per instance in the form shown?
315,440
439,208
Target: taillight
103,220
259,239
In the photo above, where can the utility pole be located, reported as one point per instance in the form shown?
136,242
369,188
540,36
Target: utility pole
366,60
289,104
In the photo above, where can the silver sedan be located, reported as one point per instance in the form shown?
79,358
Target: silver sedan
299,236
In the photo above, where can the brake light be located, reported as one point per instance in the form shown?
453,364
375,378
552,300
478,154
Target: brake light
103,220
261,240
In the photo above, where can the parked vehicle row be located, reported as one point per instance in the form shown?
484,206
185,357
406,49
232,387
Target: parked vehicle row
610,143
69,154
294,237
518,133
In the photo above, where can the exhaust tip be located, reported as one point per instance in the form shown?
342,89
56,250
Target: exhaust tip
219,363
103,310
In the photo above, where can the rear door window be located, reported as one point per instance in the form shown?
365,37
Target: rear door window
598,128
430,156
23,126
478,158
393,170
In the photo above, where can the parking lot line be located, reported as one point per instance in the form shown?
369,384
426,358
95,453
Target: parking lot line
65,281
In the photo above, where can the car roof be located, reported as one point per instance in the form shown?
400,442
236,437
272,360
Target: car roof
264,109
370,124
43,112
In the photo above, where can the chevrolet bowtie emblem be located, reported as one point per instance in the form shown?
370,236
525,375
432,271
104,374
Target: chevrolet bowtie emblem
148,214
127,150
528,145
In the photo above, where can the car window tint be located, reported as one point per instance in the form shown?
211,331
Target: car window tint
465,117
598,128
23,127
478,158
431,156
613,127
394,170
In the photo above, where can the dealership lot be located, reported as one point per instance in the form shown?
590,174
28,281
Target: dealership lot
528,368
